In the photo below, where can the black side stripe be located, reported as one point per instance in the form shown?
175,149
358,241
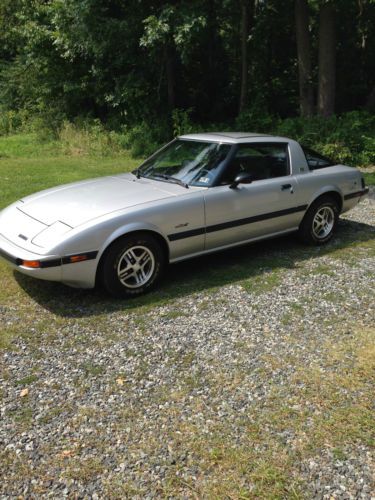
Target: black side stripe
186,234
235,223
50,263
357,194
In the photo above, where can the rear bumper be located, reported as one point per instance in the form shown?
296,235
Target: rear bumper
357,194
365,193
352,199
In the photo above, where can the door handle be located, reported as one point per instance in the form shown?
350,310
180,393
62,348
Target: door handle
286,186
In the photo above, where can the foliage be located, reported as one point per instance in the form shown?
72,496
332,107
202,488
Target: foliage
125,63
144,138
101,76
89,138
182,123
348,138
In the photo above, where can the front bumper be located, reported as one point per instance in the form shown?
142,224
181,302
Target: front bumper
50,265
78,270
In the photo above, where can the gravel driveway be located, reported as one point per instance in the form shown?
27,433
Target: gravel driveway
249,374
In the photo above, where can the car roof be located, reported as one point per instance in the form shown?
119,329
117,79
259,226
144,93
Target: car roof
233,137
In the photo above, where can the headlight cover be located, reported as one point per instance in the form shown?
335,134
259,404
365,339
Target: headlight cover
51,234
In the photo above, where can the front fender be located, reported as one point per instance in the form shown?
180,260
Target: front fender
130,227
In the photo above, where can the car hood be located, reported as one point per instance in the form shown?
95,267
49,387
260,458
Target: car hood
77,203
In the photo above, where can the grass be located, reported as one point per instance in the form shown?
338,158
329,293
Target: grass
327,405
369,178
27,380
263,283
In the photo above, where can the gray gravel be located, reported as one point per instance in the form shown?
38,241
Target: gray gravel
109,404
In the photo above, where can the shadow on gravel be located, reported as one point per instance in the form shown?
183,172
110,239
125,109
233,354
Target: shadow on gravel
199,274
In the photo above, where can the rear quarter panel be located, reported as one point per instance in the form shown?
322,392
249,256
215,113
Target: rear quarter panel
339,178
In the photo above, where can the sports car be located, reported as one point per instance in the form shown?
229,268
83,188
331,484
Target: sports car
198,194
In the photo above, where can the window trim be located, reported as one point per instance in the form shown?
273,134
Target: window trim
307,150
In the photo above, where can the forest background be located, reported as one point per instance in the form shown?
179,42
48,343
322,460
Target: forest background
105,76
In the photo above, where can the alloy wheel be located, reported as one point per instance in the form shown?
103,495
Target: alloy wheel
135,266
323,222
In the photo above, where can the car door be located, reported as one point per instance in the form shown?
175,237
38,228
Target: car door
264,207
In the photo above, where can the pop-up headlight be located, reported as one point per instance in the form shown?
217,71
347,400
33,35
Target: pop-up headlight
51,234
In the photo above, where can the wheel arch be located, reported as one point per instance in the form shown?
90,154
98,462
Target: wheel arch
118,235
334,193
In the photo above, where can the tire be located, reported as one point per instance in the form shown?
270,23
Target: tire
320,221
132,266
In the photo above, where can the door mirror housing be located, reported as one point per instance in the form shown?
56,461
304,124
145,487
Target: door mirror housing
241,178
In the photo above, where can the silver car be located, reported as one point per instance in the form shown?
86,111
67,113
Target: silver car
198,194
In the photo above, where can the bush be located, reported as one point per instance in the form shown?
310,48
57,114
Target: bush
350,138
256,118
181,122
89,138
145,138
12,121
367,155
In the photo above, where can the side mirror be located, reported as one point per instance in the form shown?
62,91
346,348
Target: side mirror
242,178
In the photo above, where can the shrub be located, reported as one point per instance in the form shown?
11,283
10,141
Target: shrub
349,138
145,138
256,118
181,122
12,121
88,138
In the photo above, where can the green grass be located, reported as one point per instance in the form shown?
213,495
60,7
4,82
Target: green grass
263,283
27,380
369,178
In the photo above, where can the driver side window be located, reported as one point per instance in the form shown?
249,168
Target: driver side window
261,161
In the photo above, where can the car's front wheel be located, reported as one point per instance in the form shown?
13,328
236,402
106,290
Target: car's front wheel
320,221
132,265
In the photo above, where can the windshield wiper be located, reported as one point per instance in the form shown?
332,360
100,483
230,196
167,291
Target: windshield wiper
137,173
172,179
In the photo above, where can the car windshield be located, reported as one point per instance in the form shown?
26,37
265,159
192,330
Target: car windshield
194,163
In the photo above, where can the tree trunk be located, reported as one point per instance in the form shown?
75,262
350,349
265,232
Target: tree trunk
245,29
327,60
306,96
171,78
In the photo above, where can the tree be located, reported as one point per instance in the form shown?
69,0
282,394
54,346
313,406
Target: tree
245,30
306,96
130,61
327,59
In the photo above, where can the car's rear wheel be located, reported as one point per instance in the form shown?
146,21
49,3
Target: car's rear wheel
320,221
132,265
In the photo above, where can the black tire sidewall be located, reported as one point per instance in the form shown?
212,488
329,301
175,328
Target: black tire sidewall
306,228
108,272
